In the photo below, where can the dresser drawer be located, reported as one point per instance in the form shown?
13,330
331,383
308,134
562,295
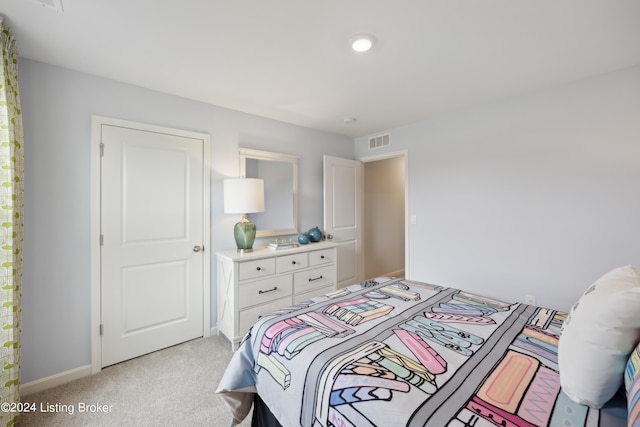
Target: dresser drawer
261,291
254,269
321,257
292,262
313,279
249,316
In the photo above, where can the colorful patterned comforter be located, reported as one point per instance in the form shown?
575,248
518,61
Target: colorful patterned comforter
393,352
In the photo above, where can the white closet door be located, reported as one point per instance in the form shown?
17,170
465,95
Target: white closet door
152,229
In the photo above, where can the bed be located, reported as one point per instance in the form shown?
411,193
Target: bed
396,352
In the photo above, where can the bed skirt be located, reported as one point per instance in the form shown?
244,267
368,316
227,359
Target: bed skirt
262,416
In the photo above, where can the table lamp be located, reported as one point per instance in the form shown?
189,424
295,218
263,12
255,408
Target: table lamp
244,196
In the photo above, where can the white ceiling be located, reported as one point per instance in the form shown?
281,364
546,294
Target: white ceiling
289,60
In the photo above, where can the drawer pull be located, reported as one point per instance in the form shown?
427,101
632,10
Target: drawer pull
293,262
321,256
317,278
258,268
275,288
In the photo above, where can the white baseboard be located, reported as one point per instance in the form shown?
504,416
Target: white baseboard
54,380
68,376
397,273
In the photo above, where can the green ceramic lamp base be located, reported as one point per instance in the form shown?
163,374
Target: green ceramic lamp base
245,234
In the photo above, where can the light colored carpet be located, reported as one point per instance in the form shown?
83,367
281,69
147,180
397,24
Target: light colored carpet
175,386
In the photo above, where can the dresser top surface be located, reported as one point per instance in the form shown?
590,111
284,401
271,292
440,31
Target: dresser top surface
265,252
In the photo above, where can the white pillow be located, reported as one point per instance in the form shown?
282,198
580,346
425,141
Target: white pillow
597,337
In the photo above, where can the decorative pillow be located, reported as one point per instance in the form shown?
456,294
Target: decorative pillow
632,385
598,336
633,369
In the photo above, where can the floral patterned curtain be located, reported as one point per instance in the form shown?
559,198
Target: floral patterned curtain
11,209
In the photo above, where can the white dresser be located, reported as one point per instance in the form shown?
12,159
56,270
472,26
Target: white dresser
257,283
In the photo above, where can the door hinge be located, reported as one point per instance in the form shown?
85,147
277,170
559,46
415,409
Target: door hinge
101,239
101,329
101,149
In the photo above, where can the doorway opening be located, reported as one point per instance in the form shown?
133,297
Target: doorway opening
385,201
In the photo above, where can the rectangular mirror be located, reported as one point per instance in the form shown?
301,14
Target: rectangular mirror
280,175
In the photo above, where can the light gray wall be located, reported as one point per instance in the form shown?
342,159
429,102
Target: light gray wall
57,107
533,195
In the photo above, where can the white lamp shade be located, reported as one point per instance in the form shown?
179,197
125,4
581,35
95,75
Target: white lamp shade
243,195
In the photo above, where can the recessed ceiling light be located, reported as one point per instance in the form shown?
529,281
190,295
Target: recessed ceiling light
349,119
362,42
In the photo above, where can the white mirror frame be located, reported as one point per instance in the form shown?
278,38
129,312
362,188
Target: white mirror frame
248,153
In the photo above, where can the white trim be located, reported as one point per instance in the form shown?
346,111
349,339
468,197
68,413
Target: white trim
405,155
397,273
95,257
95,249
206,215
55,380
384,156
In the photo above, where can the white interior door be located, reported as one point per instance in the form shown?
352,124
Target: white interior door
152,230
343,190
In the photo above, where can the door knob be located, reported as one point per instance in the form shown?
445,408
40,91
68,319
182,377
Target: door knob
197,248
329,236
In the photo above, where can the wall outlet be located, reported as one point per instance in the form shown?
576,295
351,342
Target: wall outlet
530,299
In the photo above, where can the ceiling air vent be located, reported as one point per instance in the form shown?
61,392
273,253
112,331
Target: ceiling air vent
379,141
50,4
